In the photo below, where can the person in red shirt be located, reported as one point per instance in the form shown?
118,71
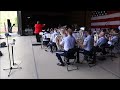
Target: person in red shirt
38,29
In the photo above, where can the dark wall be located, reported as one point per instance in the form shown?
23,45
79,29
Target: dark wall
49,18
77,17
19,20
53,18
82,18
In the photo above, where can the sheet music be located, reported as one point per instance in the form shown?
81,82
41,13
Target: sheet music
41,33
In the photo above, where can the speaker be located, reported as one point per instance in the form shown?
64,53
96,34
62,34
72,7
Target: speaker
8,23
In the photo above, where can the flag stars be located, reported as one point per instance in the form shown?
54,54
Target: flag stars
98,13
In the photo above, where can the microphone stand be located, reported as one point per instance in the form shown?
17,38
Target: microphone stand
11,67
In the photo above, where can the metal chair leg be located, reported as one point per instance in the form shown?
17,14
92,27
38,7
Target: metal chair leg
71,64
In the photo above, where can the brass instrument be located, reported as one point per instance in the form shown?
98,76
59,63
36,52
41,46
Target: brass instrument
58,40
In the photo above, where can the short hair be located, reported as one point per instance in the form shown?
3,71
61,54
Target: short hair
62,30
102,33
55,29
69,26
89,31
116,30
104,30
70,31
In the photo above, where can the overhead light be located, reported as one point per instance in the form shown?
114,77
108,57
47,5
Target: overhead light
28,17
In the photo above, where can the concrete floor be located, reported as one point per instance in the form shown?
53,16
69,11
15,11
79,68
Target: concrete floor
36,63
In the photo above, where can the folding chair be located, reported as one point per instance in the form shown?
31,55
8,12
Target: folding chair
71,59
90,56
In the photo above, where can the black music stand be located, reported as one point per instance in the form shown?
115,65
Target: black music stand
11,67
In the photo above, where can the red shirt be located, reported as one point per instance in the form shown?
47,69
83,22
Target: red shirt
38,28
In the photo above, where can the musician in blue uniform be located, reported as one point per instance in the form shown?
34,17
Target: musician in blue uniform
67,43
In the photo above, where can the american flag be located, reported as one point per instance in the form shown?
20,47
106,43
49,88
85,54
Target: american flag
105,19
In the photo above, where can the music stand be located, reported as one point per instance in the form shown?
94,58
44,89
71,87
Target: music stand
11,67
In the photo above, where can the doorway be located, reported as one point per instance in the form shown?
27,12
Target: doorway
4,17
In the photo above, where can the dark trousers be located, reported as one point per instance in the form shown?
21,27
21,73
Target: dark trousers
52,44
59,54
37,38
98,49
92,54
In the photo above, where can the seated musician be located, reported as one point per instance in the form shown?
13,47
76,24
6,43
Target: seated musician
88,41
45,38
114,38
87,44
53,40
51,31
106,31
60,37
76,35
101,42
67,43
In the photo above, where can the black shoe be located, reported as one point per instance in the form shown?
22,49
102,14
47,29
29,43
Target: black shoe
51,51
68,63
93,62
46,50
60,64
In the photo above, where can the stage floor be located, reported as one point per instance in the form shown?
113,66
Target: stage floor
36,63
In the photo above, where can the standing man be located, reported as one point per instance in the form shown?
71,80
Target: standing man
38,29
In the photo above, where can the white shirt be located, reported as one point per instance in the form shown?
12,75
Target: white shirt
53,36
68,42
101,41
88,43
45,35
76,35
113,40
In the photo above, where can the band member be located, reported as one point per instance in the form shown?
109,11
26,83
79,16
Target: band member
114,38
53,40
67,43
60,37
87,45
